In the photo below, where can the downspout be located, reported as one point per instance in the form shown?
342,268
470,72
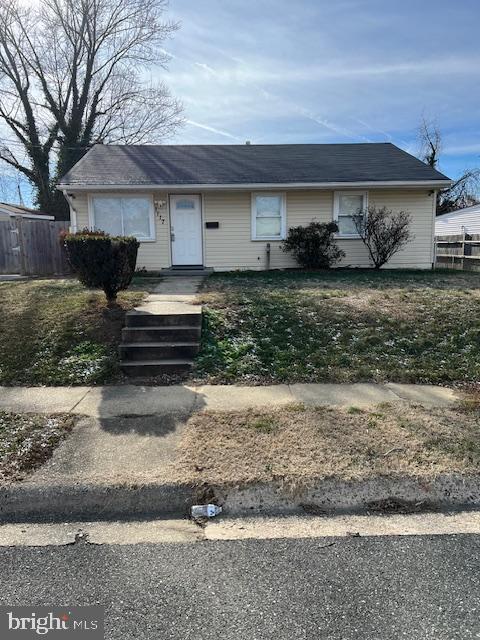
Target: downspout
73,211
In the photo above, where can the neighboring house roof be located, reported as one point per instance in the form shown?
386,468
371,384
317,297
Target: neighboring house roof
463,220
24,212
272,164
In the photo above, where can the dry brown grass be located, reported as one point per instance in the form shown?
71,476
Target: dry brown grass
298,445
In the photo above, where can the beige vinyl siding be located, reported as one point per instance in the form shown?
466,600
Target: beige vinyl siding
230,246
421,205
151,255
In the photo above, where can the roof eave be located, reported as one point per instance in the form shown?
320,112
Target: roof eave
258,186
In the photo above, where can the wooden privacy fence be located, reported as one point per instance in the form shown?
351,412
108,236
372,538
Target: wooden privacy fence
458,252
32,247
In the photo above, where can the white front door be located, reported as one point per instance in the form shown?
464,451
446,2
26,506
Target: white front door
186,230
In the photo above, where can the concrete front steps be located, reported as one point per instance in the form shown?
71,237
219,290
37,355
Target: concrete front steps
157,343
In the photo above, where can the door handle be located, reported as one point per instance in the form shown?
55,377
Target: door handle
172,237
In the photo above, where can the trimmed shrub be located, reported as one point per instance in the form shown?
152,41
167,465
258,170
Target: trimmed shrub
101,261
314,246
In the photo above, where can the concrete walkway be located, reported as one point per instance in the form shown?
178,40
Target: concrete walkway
128,400
174,295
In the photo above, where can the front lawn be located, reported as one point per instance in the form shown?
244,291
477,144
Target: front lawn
341,326
28,440
297,445
56,332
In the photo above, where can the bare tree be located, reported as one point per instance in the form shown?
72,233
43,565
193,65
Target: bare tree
72,74
464,191
383,232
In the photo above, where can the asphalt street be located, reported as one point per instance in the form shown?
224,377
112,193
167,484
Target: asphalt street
324,588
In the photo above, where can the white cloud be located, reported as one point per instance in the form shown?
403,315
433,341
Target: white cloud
327,72
373,129
205,67
336,128
219,132
462,149
261,70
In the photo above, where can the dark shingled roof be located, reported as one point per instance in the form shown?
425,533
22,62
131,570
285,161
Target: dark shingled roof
247,164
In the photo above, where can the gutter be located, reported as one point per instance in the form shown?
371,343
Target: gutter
256,186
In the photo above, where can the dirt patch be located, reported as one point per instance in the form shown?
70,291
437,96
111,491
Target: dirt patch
396,505
298,445
28,440
393,305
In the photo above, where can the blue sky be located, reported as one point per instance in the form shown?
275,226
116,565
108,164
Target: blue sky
328,71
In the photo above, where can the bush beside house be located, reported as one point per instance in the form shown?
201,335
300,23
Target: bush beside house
314,245
383,232
101,261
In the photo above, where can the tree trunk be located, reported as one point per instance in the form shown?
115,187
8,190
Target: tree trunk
69,154
52,201
111,295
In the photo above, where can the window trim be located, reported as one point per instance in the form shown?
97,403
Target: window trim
336,208
123,195
283,215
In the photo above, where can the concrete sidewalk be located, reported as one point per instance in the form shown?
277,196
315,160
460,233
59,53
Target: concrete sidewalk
127,400
120,460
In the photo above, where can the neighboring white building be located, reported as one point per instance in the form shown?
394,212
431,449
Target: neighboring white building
458,222
8,211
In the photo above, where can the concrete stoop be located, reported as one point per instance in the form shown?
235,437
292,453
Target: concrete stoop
160,342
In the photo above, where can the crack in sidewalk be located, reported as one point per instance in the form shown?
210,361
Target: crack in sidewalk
79,401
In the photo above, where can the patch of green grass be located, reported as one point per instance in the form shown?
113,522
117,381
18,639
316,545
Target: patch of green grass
56,332
341,326
470,403
265,424
27,440
355,410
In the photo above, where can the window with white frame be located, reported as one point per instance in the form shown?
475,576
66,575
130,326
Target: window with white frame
268,216
348,204
124,216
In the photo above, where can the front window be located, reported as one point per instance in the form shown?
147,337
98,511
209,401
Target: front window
268,216
124,216
347,205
